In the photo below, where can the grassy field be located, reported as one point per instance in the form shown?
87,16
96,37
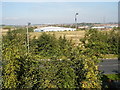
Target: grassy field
113,76
71,35
109,56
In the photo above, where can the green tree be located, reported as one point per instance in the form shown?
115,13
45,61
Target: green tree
65,46
12,49
85,64
47,46
102,42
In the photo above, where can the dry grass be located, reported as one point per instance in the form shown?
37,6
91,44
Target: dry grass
71,35
4,31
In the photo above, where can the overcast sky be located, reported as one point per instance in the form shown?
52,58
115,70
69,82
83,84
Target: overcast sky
58,12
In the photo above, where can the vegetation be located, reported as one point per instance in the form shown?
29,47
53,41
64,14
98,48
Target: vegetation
109,81
113,76
7,27
109,56
54,62
102,42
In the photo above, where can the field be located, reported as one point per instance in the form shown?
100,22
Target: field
71,35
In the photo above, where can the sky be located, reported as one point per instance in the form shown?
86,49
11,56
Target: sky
59,0
20,13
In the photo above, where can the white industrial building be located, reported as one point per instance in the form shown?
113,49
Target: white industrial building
104,27
98,27
48,29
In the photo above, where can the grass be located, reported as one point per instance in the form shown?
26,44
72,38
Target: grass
109,81
109,56
70,35
113,76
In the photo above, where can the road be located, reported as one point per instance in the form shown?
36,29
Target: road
110,66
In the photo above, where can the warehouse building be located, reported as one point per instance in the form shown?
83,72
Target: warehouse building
49,29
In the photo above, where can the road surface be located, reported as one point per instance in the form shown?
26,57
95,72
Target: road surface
110,66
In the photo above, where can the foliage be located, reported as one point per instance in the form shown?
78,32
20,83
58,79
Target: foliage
7,27
113,76
13,48
91,74
47,45
54,74
86,67
65,46
51,63
109,80
101,42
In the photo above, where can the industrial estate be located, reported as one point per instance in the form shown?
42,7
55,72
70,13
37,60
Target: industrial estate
77,55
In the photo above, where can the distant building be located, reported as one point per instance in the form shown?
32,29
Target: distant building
98,27
83,27
48,29
104,27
